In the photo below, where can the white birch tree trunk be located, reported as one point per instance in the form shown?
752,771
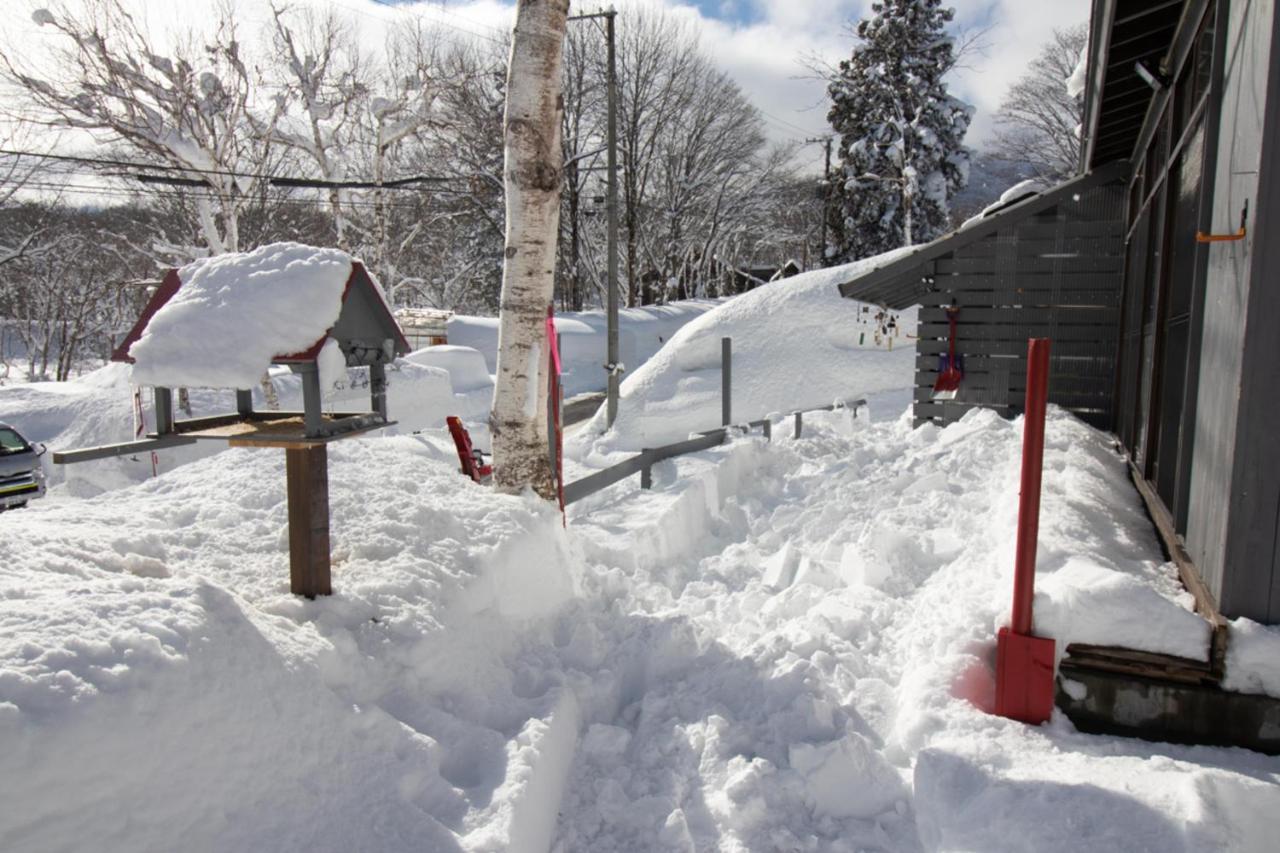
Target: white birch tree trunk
532,165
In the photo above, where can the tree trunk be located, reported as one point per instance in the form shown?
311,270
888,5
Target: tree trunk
533,166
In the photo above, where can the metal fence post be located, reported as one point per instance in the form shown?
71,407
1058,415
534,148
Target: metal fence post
726,381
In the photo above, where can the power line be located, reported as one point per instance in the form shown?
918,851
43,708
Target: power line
275,180
137,194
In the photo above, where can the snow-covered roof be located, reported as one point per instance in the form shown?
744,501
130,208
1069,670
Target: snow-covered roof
221,321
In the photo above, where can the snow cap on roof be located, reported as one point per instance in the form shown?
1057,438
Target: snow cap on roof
233,314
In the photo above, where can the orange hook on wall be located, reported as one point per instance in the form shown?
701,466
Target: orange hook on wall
1202,237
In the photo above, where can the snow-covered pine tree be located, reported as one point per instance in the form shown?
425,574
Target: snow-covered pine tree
900,134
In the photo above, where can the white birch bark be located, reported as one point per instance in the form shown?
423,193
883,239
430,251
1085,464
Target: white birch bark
532,173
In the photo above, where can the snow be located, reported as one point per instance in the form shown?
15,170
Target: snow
466,366
1018,191
583,338
234,313
1083,602
796,344
1079,78
1253,658
781,646
332,365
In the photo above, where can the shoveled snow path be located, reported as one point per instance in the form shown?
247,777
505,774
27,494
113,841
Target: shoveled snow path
811,685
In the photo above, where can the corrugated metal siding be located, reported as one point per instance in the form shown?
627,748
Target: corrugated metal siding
1054,275
1214,509
1251,576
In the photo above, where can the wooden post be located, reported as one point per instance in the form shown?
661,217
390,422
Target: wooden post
164,410
307,469
726,380
799,423
378,389
311,400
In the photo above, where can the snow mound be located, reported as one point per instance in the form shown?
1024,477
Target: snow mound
466,365
1253,658
234,313
1082,602
158,681
583,338
796,344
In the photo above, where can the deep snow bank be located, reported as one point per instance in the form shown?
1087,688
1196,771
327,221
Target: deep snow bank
158,682
796,343
97,409
809,672
641,333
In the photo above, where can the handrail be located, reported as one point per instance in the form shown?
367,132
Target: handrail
642,463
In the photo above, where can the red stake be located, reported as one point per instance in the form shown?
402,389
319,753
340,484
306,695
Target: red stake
1024,573
1025,663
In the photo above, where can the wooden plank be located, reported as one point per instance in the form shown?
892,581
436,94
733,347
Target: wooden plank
1041,248
948,407
971,392
288,431
1012,382
1040,229
1022,315
1067,279
971,337
1019,347
1206,604
1059,368
307,477
986,265
1011,298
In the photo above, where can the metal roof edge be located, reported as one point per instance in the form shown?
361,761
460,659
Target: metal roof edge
1100,21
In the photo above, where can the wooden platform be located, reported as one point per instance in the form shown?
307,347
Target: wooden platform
284,431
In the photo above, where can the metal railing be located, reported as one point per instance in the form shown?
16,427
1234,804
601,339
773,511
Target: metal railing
642,463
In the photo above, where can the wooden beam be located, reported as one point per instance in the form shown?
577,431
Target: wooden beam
1146,664
1206,604
307,472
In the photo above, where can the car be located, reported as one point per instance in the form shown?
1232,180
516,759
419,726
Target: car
21,471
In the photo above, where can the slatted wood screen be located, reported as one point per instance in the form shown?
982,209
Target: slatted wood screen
1056,274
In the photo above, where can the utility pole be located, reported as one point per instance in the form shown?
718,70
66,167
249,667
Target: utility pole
826,189
612,366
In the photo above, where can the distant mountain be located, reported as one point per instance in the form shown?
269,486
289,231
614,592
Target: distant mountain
988,178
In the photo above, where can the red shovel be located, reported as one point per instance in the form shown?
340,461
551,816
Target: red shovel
950,366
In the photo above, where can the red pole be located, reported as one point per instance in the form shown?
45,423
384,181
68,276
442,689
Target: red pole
1024,575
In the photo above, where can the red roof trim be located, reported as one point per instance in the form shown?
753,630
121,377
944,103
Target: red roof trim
168,287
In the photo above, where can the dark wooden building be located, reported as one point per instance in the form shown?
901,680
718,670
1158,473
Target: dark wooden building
1156,272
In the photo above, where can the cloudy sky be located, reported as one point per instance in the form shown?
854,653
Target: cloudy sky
761,43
